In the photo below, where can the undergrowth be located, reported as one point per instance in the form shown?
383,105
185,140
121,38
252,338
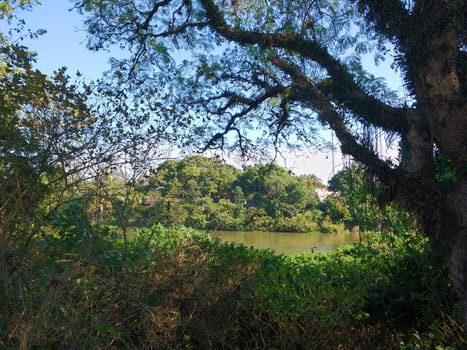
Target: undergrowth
177,289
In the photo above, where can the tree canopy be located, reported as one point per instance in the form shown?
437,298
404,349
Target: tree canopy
47,137
275,71
206,193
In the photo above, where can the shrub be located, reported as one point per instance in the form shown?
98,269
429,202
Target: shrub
174,288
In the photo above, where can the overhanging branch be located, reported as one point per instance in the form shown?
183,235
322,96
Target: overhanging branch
250,103
307,91
344,89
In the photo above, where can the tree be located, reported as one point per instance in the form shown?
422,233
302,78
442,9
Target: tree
358,195
275,70
274,189
47,134
189,189
195,177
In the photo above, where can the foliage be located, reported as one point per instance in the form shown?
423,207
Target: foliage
81,287
387,278
52,140
445,173
206,193
47,134
70,220
359,204
275,190
8,7
178,289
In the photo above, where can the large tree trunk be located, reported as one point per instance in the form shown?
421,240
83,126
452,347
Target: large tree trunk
443,216
452,233
436,74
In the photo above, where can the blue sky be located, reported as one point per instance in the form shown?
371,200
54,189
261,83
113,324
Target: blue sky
64,44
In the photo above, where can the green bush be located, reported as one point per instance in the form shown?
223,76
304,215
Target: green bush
326,225
300,222
175,288
395,281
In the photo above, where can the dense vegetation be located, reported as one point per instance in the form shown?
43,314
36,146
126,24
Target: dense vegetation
206,193
83,286
261,74
72,276
175,289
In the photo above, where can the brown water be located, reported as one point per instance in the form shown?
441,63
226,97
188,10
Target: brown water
287,243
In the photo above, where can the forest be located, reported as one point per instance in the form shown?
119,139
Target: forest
207,194
104,236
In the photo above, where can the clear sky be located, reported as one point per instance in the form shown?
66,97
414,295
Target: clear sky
64,44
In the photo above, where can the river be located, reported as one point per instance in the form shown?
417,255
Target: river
287,243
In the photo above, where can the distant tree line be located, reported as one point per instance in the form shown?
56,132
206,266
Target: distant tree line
206,193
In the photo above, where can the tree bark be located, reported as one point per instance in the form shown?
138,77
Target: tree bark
436,76
443,218
452,233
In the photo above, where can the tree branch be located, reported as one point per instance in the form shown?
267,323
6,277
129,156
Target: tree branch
344,90
251,105
306,90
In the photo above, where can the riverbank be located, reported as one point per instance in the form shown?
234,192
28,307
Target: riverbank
178,289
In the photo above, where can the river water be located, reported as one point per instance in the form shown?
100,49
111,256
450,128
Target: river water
288,243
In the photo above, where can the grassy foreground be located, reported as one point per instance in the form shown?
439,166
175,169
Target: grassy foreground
176,289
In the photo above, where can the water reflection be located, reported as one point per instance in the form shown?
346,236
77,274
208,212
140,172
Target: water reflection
288,243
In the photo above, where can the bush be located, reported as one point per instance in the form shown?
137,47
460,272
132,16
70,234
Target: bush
174,288
326,225
302,222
